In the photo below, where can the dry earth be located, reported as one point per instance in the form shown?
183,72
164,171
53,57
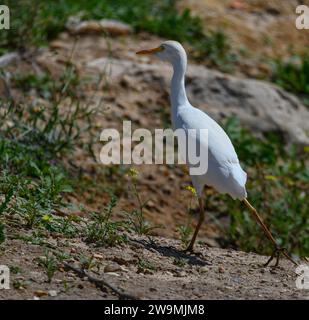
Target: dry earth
157,270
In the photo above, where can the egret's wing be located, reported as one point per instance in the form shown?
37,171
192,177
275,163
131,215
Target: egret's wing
220,147
224,171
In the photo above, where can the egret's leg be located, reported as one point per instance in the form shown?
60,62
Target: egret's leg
200,221
277,251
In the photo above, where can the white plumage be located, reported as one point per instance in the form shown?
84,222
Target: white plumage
224,171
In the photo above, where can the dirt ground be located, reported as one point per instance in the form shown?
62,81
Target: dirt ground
150,270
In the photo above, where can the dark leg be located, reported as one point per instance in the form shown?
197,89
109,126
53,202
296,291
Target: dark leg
200,221
277,250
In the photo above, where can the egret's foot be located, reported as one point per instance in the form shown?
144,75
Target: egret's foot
189,249
277,254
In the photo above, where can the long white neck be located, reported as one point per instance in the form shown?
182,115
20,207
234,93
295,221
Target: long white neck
178,90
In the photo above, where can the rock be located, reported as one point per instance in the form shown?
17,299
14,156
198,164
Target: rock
40,293
53,293
180,274
123,261
261,106
8,58
203,269
112,27
112,267
238,5
221,270
98,256
115,28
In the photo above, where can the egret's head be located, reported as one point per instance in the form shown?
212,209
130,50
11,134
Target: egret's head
170,51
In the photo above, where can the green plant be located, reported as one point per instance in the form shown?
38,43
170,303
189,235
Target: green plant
215,50
20,284
86,262
2,234
180,262
186,231
136,218
144,266
101,230
37,22
293,76
15,269
63,225
34,138
49,263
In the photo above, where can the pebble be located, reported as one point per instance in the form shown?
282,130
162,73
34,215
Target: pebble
53,293
180,274
97,256
120,261
203,269
112,267
40,293
221,270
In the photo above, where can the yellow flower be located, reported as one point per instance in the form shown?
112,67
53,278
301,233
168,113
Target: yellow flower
306,149
272,178
133,173
191,189
47,218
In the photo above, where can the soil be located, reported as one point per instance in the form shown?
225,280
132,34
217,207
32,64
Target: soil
210,273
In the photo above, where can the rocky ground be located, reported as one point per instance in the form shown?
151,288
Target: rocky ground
148,270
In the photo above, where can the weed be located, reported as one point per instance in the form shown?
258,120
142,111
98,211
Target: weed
2,233
101,230
293,76
15,269
180,262
33,140
144,266
86,262
216,49
36,22
136,218
49,263
63,225
185,231
20,284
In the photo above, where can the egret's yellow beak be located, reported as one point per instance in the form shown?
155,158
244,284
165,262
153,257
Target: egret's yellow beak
150,51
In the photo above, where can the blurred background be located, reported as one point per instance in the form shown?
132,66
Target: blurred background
69,70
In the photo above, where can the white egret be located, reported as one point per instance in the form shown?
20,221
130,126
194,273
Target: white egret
224,171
